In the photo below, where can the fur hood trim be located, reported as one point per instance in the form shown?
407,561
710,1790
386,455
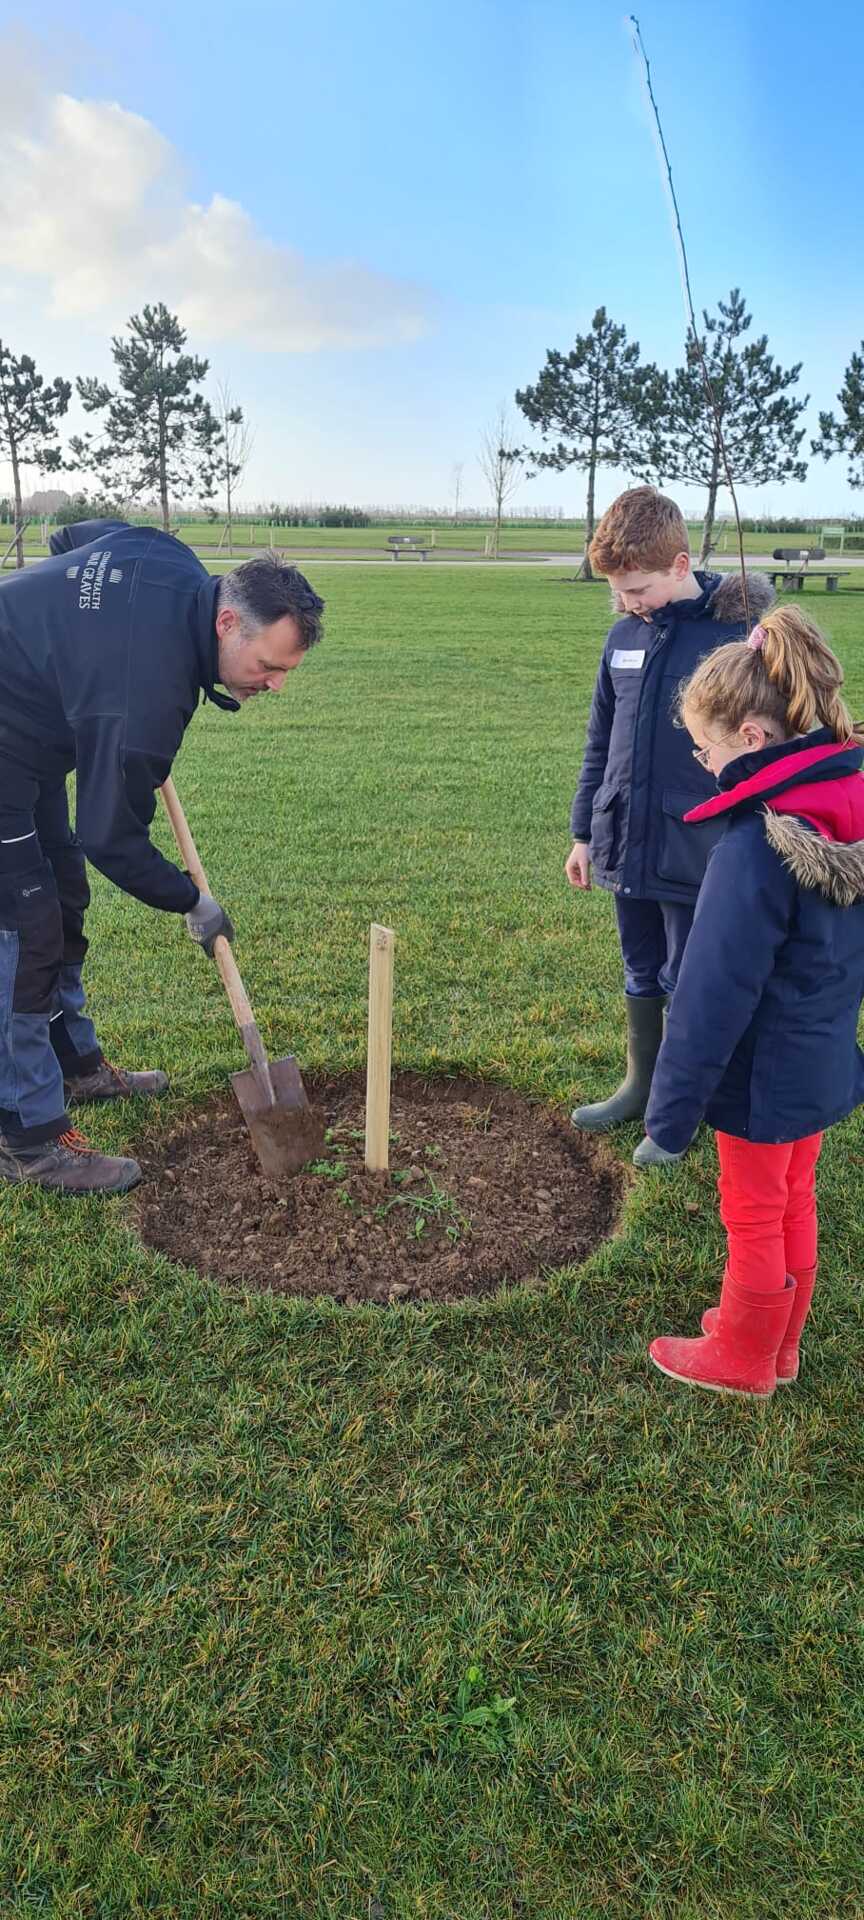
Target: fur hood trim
727,600
831,867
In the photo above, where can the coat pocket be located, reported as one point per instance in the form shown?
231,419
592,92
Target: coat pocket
606,828
682,850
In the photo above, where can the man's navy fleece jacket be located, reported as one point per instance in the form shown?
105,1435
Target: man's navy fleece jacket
105,651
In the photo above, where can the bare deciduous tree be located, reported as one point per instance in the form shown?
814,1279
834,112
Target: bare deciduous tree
458,470
501,460
237,443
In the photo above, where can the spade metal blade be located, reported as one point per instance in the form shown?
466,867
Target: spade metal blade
286,1134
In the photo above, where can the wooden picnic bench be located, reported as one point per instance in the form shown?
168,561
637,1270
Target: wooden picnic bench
793,576
405,543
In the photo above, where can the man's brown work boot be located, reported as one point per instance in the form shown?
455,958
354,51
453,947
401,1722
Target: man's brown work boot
67,1165
112,1083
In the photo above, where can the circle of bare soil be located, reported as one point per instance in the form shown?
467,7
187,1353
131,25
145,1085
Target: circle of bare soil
485,1187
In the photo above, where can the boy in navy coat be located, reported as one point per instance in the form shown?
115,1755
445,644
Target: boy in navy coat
639,777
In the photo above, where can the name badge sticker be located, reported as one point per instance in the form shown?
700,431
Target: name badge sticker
629,657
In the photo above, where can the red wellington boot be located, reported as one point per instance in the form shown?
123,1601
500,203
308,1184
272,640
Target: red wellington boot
788,1358
740,1355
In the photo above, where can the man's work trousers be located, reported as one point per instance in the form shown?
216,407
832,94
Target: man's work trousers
44,1029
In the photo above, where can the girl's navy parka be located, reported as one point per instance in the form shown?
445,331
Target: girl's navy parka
638,776
761,1037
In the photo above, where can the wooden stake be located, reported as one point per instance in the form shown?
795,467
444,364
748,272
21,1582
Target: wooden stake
381,942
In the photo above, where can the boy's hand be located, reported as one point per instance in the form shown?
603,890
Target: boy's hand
577,866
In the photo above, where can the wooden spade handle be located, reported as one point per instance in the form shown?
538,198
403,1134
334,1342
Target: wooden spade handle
222,954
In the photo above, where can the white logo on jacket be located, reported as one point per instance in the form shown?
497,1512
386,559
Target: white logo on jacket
92,580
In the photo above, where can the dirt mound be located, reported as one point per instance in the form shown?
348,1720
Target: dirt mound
485,1187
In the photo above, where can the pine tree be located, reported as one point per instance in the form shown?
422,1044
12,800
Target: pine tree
601,406
29,412
159,433
757,413
847,434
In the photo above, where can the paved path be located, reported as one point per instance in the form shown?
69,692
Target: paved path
467,557
754,562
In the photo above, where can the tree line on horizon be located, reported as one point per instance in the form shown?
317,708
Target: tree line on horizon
600,405
596,405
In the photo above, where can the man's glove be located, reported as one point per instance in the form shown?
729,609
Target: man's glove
206,921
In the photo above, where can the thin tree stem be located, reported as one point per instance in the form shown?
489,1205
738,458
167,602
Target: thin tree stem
641,54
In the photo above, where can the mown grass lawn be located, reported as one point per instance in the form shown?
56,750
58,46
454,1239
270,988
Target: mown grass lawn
253,1549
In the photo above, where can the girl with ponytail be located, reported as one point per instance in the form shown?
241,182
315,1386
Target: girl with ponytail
762,1030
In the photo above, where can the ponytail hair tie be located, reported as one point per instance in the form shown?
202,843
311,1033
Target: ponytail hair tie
758,638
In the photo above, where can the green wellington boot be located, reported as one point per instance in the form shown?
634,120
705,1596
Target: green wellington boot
644,1034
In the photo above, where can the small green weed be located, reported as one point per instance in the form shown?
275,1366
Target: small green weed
429,1205
478,1722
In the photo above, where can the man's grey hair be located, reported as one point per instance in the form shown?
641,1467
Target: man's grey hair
263,590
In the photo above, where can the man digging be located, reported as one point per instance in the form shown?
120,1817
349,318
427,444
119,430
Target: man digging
105,650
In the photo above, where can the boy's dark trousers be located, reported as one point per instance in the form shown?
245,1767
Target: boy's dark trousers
44,1028
653,935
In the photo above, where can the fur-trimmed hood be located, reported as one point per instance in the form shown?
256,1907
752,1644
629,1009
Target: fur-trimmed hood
721,598
826,866
727,600
811,796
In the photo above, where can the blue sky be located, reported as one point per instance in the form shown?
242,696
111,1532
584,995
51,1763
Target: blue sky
432,198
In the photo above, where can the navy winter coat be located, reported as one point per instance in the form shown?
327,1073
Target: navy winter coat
762,1030
639,777
105,651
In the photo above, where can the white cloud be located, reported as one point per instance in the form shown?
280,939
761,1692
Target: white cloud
94,208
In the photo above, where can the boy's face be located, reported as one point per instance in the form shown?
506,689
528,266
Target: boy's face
643,590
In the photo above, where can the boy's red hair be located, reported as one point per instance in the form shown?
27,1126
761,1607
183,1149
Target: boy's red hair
642,531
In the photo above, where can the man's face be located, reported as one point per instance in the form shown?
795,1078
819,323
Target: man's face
643,591
257,665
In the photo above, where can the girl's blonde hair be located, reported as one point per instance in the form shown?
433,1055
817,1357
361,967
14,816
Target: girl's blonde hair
791,678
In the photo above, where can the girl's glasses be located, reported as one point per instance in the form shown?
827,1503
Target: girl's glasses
702,754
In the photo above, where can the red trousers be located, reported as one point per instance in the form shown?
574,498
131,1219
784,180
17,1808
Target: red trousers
768,1207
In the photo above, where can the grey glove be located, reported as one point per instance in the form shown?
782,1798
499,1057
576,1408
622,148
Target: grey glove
206,921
